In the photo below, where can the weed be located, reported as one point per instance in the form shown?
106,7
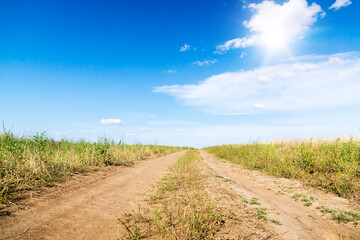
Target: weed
277,222
261,213
341,216
225,179
254,201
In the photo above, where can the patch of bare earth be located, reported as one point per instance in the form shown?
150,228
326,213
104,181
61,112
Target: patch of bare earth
87,208
239,221
276,195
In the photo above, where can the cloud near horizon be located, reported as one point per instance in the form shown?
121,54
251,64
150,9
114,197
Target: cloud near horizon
275,23
304,83
340,3
112,121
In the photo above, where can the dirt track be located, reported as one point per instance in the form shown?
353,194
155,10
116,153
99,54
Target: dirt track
89,208
275,194
90,211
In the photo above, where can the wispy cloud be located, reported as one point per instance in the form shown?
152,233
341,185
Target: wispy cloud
282,23
144,128
170,71
205,62
305,83
340,3
129,134
185,48
94,131
111,121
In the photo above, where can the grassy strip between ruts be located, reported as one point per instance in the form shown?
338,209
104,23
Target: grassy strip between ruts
180,208
30,162
331,165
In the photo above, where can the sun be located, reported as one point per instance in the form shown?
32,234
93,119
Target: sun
275,39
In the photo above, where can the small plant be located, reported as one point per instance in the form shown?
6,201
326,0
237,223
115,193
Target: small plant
325,210
254,201
341,216
297,196
225,179
243,199
276,222
261,213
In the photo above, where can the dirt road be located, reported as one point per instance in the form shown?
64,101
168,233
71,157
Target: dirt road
89,208
276,195
90,211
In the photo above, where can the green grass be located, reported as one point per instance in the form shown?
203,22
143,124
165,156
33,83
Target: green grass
26,163
180,207
331,165
341,216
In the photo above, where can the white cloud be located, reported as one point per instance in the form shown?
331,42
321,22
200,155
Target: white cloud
129,134
111,121
305,83
170,71
94,131
144,128
185,48
242,55
152,116
206,62
238,43
259,106
274,25
340,3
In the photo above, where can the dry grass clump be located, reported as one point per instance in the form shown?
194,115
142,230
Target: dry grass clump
331,165
180,208
29,162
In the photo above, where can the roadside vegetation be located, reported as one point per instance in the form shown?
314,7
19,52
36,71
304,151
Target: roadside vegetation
27,163
180,208
330,165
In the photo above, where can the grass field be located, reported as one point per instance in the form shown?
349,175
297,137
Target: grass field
27,163
330,165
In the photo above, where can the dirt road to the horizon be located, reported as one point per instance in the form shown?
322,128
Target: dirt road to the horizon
91,209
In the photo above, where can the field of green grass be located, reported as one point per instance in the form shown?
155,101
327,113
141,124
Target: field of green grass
27,163
330,165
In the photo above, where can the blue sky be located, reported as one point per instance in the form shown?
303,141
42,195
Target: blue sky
189,73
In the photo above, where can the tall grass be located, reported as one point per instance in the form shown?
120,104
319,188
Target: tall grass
331,165
29,162
180,208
